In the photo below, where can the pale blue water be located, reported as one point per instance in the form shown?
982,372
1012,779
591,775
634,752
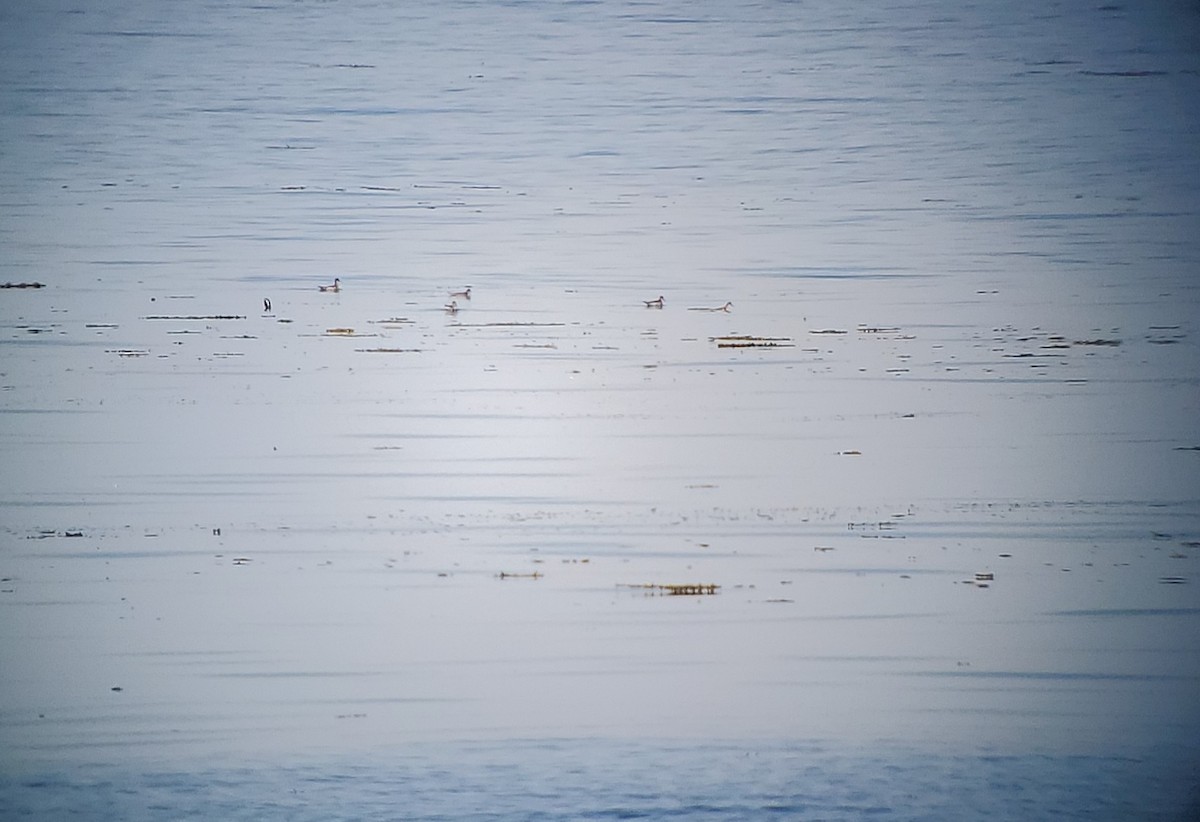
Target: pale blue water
971,231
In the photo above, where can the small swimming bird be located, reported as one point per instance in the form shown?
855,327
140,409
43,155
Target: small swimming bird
337,286
724,308
266,306
465,293
654,303
452,308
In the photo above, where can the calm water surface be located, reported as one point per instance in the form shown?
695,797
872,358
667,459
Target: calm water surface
356,556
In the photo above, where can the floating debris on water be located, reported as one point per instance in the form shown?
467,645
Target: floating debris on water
678,590
388,350
510,325
872,526
195,317
506,575
23,285
749,341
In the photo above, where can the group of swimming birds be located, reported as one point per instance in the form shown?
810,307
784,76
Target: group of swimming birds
452,306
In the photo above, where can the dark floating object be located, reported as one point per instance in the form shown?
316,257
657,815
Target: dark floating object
680,590
117,688
1098,342
195,317
748,341
512,325
534,575
23,285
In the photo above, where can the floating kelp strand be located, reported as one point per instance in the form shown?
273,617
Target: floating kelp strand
195,317
676,589
751,341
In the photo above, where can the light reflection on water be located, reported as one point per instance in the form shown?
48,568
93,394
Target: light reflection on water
961,258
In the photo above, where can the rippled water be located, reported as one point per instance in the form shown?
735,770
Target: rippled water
352,555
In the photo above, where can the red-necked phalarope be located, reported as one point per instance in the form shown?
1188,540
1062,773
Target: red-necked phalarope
465,293
654,303
724,308
337,286
452,308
